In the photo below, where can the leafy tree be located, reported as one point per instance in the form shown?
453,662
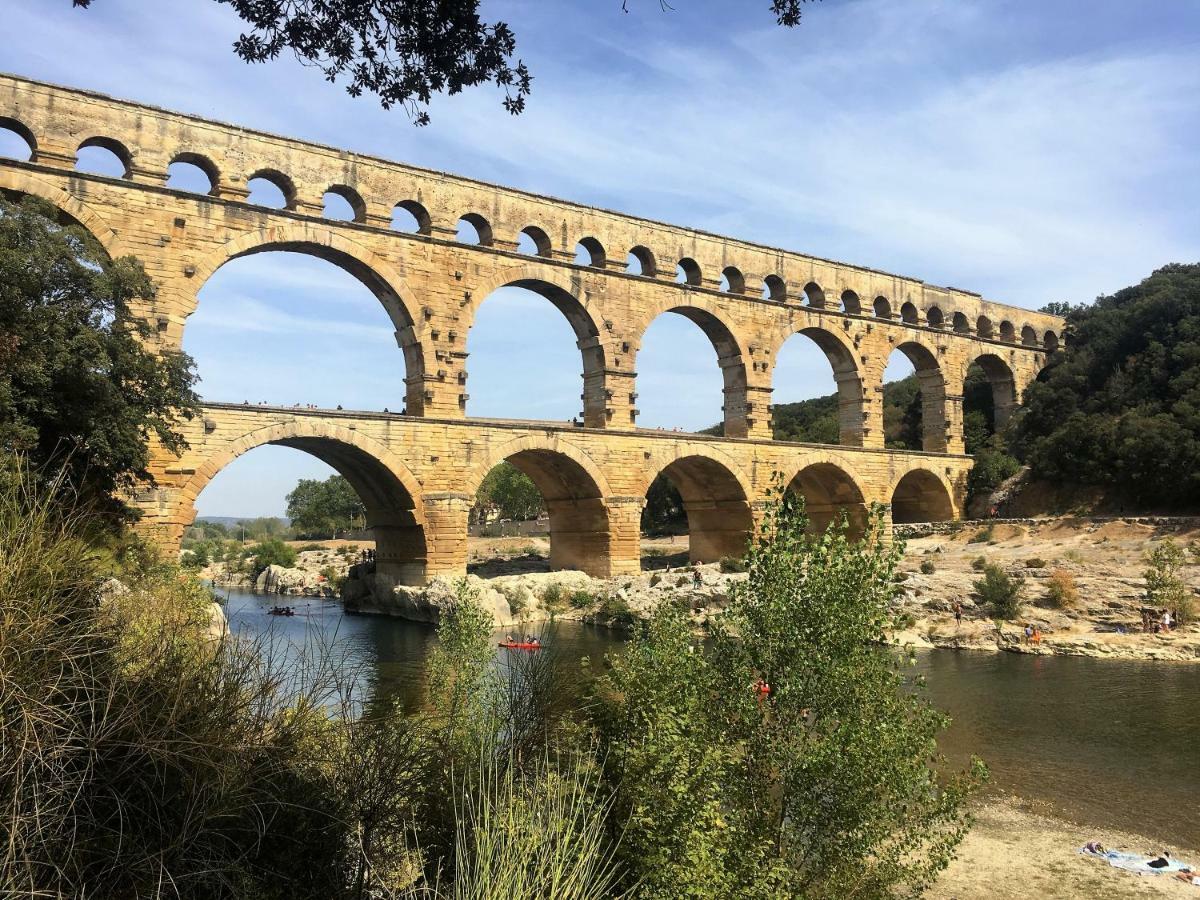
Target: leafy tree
1164,586
824,786
272,552
324,508
1060,308
403,51
1121,410
79,388
512,492
1000,591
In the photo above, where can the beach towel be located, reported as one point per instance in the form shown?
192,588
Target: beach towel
1136,862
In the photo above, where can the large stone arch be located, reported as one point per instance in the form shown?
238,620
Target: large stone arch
15,181
714,321
390,492
932,381
1002,378
328,244
843,359
574,491
829,491
921,495
564,290
716,498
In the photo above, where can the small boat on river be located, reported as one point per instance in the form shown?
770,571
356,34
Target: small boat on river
281,611
521,645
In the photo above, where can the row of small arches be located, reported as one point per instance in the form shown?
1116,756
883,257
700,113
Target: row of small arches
271,188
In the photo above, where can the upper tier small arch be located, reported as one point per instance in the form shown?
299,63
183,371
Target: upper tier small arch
411,217
533,241
688,272
352,207
641,262
191,171
475,229
274,189
774,288
732,280
590,252
20,135
851,304
112,158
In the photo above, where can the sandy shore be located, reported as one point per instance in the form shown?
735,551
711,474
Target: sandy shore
1015,851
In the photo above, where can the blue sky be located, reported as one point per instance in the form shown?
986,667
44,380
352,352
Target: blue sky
1031,152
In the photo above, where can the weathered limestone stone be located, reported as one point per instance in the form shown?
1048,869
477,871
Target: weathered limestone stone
417,473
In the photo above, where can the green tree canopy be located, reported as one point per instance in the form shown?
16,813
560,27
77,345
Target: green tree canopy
1121,410
324,508
78,387
824,785
512,492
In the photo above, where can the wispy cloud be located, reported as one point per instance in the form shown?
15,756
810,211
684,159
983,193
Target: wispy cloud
1024,151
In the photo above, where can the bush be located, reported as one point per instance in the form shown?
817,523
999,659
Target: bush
308,548
723,791
617,611
273,552
683,581
730,564
142,751
655,579
1000,591
983,535
1035,562
581,599
927,567
554,598
335,578
1061,592
992,467
1164,586
979,563
1074,556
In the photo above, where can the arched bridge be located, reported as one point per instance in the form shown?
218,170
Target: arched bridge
609,274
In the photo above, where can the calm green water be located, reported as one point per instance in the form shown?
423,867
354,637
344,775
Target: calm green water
1104,742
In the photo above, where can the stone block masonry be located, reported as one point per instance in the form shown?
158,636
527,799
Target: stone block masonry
609,274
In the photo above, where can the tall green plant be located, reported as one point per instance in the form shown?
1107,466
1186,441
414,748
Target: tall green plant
1164,586
826,785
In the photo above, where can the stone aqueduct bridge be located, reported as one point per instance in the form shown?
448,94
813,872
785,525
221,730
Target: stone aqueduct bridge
417,472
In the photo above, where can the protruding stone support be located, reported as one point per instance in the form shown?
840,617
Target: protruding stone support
954,423
446,517
625,530
401,551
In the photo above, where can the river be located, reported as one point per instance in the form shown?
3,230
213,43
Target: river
1107,743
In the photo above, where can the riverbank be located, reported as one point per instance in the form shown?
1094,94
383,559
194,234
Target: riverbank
1104,559
1017,851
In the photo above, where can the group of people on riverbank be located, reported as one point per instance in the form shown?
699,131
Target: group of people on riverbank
1156,621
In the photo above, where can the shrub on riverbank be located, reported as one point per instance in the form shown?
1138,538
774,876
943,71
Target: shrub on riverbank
273,552
1061,592
789,759
1000,591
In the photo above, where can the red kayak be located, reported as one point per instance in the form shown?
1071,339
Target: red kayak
519,645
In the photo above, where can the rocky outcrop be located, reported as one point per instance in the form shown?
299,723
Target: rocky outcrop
537,596
296,582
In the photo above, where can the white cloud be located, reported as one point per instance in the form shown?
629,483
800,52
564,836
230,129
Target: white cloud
1019,151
